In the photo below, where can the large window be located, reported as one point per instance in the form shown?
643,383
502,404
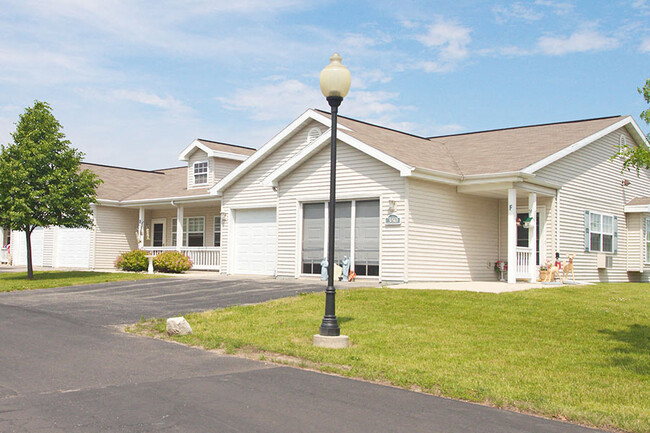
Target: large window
193,231
217,231
200,173
313,237
356,234
601,232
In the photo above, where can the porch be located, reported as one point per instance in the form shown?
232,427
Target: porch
527,226
203,258
190,227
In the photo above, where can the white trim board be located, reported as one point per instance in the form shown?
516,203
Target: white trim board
322,142
271,145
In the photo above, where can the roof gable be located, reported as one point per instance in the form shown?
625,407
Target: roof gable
216,149
268,148
322,142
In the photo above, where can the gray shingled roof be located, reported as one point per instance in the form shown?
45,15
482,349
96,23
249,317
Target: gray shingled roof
639,201
496,151
225,147
123,184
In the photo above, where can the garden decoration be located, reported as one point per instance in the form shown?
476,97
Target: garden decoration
569,268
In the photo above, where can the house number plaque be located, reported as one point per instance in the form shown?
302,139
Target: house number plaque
393,220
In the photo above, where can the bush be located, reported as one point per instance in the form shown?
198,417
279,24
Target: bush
132,261
172,261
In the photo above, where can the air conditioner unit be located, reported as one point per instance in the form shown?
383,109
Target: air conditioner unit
604,261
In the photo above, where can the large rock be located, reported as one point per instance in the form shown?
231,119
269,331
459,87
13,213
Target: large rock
178,326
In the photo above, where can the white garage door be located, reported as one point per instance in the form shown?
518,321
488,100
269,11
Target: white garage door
73,248
19,247
255,241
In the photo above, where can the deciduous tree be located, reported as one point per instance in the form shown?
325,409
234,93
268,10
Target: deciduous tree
41,181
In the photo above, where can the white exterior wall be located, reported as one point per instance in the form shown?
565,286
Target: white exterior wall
635,243
451,236
221,167
590,181
115,233
358,176
248,191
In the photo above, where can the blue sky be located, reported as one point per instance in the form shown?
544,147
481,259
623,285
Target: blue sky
134,82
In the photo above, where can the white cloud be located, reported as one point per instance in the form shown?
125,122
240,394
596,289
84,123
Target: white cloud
450,38
168,103
273,101
516,11
645,45
580,41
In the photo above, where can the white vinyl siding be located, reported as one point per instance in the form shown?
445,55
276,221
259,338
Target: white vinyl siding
452,236
221,167
115,233
358,177
248,190
591,181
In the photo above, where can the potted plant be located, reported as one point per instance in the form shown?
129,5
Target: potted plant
543,273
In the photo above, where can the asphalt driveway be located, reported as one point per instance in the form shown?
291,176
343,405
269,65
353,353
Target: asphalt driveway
64,368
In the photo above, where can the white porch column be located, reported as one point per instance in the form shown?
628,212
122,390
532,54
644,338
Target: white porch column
532,236
141,228
179,228
512,235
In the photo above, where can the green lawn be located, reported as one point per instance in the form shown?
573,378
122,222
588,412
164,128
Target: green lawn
579,353
10,281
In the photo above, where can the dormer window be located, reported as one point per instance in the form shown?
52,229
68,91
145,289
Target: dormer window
200,173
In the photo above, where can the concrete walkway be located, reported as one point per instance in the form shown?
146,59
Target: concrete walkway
478,286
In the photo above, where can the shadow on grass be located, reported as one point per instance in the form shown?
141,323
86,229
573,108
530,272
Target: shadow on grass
46,276
634,353
344,319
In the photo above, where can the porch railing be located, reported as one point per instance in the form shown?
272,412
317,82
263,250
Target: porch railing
524,262
203,258
4,255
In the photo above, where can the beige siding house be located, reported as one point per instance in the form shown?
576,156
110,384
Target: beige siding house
409,208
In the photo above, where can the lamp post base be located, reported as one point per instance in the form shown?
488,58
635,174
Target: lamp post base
338,342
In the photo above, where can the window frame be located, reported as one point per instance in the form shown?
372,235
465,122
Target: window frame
601,232
202,173
216,231
186,232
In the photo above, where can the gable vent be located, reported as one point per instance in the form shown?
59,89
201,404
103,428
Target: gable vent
313,134
622,141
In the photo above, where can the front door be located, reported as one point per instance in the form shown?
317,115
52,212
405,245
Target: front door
158,228
522,232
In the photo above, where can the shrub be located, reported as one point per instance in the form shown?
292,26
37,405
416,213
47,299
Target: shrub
132,261
172,261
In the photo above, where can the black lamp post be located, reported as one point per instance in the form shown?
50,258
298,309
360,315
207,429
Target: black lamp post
335,84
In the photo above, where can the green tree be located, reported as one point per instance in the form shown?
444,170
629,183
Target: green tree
638,157
41,183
